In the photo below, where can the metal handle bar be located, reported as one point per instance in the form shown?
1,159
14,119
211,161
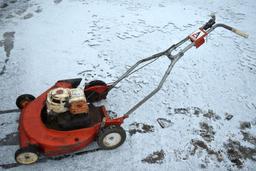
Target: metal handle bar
238,32
208,28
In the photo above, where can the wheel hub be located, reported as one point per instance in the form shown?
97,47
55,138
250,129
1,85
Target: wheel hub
112,139
27,158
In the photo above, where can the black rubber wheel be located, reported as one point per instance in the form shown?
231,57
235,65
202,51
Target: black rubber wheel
93,96
111,137
23,99
27,155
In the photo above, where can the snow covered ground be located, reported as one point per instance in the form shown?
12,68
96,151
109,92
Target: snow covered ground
207,105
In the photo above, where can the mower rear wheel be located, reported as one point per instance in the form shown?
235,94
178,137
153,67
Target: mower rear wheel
23,99
93,96
111,137
27,155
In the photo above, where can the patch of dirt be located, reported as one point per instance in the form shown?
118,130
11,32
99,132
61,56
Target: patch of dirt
10,139
181,111
198,144
206,132
8,42
164,123
196,111
140,128
249,137
156,157
238,153
212,115
245,125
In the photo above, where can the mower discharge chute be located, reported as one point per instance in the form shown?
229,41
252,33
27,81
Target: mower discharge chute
63,120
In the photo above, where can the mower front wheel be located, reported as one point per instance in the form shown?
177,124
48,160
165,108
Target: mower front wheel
111,137
24,99
27,155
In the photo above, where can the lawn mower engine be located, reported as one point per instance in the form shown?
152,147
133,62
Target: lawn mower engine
67,109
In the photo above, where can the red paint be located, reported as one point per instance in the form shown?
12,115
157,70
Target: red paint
98,88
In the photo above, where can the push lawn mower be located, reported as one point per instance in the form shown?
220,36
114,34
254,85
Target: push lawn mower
64,120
